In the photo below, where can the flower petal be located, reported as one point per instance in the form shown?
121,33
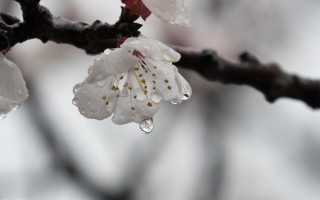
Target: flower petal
138,105
13,90
133,111
6,105
151,49
164,76
170,11
12,84
110,63
97,100
184,87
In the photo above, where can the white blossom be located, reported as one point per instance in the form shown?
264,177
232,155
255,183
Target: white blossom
131,82
13,89
170,11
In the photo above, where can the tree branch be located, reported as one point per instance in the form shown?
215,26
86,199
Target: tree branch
269,79
40,24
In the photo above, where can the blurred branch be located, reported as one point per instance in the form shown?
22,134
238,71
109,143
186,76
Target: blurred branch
38,23
269,79
63,161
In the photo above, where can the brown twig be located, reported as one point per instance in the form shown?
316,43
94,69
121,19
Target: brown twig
269,79
38,23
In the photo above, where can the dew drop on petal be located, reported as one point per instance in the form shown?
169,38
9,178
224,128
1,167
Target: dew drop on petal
174,102
90,69
156,98
167,56
186,93
75,101
2,116
140,96
20,91
102,83
76,88
185,97
146,126
16,107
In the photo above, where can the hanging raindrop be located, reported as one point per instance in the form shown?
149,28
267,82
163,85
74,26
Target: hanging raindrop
146,126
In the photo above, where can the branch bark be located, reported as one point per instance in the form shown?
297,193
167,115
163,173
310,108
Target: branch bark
38,23
270,79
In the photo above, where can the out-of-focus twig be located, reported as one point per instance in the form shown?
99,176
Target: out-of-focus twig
62,160
269,79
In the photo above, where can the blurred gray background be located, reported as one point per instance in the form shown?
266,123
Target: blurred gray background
225,143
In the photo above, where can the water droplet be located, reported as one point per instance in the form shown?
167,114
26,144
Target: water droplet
156,98
16,107
2,116
185,97
20,91
174,102
75,101
139,95
102,83
90,69
76,88
107,51
186,92
166,56
146,126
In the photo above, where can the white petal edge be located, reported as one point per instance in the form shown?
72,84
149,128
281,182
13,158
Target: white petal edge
151,49
13,90
169,11
116,62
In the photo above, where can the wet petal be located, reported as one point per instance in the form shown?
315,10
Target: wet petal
170,11
110,63
13,90
164,77
184,87
12,84
151,49
134,111
138,105
6,105
97,100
